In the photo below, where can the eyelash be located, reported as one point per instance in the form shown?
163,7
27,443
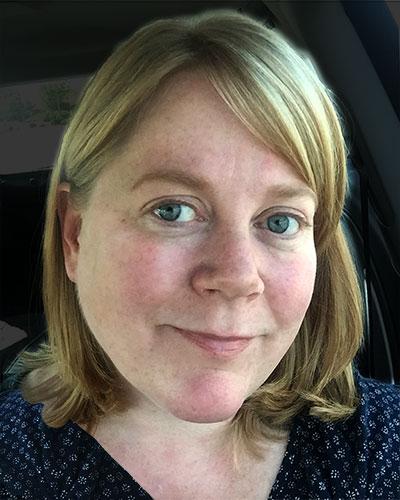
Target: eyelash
300,220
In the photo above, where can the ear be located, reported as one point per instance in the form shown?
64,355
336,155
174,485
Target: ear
70,226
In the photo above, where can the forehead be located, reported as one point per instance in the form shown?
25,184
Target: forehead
189,119
187,112
189,127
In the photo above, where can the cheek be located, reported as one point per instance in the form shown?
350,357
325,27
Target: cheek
290,294
149,273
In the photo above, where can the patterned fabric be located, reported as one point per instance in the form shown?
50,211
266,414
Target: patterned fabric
354,459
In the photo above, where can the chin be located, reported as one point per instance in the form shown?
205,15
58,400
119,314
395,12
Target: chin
207,400
203,415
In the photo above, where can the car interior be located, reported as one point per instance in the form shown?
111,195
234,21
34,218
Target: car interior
356,47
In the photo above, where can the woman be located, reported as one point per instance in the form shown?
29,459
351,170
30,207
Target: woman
202,306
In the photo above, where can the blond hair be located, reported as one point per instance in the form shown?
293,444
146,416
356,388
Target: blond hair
275,90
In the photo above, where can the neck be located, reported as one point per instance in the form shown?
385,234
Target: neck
147,425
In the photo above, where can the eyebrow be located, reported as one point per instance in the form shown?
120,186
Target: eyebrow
191,181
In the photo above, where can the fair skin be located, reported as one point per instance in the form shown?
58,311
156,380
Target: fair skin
234,260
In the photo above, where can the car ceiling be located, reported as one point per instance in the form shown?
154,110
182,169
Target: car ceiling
56,38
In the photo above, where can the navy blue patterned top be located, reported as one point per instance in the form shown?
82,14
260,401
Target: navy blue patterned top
354,459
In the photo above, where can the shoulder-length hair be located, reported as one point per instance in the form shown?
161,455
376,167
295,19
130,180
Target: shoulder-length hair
277,93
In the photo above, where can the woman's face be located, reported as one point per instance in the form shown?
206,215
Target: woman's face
196,227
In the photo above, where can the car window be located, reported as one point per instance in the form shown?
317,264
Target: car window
32,119
378,27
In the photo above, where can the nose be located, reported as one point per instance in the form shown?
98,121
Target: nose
229,268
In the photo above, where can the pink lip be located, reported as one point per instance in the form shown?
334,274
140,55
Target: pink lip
225,347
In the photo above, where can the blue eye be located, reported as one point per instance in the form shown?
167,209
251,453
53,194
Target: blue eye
283,224
175,213
170,212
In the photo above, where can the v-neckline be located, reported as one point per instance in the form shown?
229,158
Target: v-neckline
285,464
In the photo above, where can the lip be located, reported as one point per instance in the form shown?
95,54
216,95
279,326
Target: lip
217,345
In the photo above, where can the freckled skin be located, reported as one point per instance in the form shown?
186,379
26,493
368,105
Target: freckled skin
137,277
